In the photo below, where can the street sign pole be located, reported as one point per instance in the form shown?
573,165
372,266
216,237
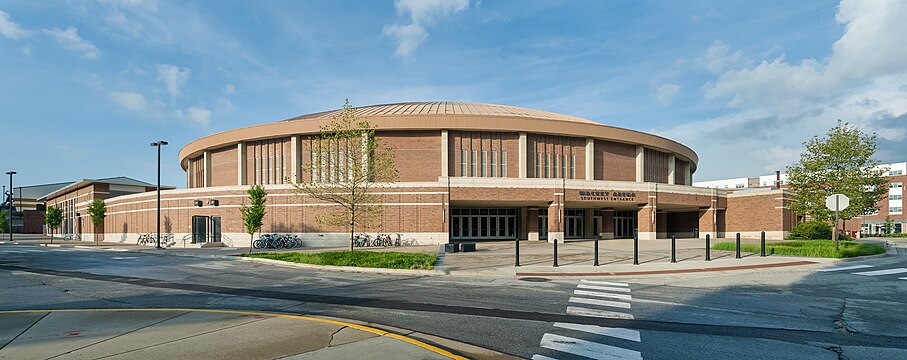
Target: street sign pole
837,208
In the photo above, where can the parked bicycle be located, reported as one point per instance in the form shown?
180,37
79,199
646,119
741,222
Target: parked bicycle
277,241
382,240
150,239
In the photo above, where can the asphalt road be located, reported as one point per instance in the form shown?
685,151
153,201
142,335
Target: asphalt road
787,313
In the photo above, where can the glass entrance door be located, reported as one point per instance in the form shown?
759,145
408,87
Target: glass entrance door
215,229
199,229
543,224
483,224
624,224
575,221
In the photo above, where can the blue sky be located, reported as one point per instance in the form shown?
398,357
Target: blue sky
87,85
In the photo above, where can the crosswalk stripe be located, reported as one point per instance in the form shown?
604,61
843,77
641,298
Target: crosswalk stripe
581,311
603,283
587,348
854,267
610,303
600,294
882,272
619,333
603,288
541,357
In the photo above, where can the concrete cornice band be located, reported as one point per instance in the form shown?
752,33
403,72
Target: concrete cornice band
514,124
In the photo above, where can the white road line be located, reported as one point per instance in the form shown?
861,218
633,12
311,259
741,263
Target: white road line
619,333
124,258
541,357
587,348
854,267
610,303
581,311
605,295
903,278
882,272
604,288
603,283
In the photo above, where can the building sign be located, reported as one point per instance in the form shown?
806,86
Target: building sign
615,196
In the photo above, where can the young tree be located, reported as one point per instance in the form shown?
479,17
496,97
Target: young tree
53,217
839,163
888,225
3,221
98,211
347,163
253,215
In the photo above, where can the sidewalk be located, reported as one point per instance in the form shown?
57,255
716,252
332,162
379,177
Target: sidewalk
208,334
536,258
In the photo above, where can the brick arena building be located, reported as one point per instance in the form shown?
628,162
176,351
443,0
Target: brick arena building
467,171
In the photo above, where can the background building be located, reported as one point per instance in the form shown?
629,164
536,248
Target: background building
75,197
891,206
27,209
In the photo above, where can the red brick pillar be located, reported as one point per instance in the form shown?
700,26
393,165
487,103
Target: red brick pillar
607,224
645,221
661,225
707,222
555,225
532,223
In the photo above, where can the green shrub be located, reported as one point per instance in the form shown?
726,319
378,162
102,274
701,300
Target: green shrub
896,235
811,230
810,248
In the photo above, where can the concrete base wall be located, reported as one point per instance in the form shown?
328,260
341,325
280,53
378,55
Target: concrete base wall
307,239
646,235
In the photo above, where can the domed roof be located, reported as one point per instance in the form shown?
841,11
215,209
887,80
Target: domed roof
446,108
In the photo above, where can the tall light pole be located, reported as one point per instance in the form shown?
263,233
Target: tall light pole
158,145
11,201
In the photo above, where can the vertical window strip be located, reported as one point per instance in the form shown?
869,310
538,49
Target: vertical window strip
538,164
472,163
504,163
493,164
554,170
463,162
547,163
573,166
482,172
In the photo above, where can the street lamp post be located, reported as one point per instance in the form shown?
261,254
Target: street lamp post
10,224
158,145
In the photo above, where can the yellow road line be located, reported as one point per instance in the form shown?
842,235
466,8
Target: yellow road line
369,329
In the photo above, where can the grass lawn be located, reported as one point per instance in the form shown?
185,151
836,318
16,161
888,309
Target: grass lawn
810,248
384,260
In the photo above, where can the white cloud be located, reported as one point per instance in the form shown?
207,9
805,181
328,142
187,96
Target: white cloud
775,105
70,38
421,13
718,59
229,89
408,38
174,77
10,29
130,101
195,115
666,93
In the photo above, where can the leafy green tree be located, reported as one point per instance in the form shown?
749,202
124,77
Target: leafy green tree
53,217
98,211
841,162
3,221
888,225
254,214
348,162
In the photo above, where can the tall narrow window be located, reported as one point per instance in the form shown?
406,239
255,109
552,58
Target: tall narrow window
504,163
493,169
573,166
472,162
482,172
462,162
538,165
547,165
554,170
563,166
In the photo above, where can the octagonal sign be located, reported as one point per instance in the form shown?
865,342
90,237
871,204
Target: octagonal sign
840,200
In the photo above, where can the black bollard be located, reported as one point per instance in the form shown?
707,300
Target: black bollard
516,259
763,244
708,247
738,246
673,248
555,253
596,252
635,248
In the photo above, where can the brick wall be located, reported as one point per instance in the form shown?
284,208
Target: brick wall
615,161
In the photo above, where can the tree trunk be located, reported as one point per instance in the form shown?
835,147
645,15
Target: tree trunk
251,240
352,227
